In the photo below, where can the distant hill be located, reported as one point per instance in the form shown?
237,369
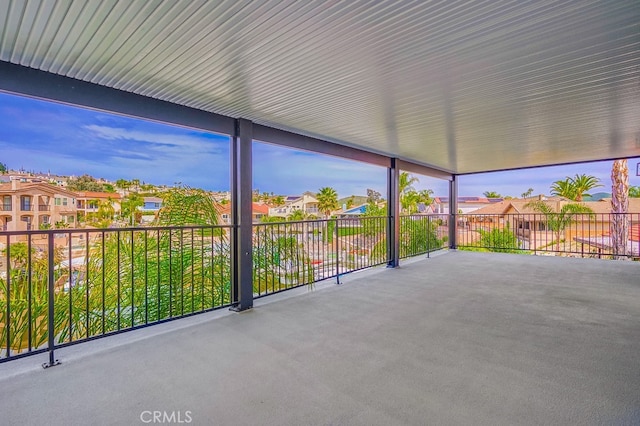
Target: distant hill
357,200
597,196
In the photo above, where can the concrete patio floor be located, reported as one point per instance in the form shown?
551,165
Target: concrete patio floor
461,338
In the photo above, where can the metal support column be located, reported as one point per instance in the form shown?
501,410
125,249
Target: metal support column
453,213
241,242
393,212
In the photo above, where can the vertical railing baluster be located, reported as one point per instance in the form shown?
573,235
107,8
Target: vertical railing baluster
29,290
86,281
146,276
103,283
7,324
133,292
337,252
70,254
170,274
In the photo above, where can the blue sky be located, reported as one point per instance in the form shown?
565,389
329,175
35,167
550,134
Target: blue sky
42,136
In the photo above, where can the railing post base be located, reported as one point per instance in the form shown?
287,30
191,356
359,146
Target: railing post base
48,364
239,308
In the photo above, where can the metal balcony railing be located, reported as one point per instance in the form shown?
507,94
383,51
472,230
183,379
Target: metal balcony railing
565,234
61,287
292,254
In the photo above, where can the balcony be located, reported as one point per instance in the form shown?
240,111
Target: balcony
44,208
501,339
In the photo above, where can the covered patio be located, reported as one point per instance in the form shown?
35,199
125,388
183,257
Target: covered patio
441,89
460,338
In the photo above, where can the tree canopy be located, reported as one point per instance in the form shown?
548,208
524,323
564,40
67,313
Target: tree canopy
327,200
491,194
575,188
84,183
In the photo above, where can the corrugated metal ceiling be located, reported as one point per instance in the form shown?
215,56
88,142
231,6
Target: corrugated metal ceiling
458,85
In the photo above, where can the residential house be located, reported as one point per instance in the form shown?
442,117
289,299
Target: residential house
150,208
306,202
532,226
28,206
89,202
440,205
258,211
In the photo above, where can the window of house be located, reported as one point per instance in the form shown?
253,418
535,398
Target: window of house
64,201
57,201
25,202
6,203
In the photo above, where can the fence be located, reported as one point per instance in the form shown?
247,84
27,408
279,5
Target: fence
292,254
423,234
568,234
61,287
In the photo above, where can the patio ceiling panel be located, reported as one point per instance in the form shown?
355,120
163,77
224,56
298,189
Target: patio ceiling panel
459,86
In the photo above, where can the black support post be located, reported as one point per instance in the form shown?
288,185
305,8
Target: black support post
393,212
241,249
453,213
51,343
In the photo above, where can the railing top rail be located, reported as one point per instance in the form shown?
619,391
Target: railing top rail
107,230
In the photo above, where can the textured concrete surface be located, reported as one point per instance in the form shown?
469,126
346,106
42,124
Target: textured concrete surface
462,338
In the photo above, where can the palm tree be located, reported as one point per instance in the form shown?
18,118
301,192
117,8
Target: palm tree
410,200
277,200
564,188
619,207
491,194
584,183
527,193
327,200
558,222
130,206
297,215
406,181
575,188
123,184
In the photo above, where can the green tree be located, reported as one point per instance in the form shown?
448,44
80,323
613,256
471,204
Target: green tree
130,206
373,196
410,200
527,193
634,192
3,168
491,194
84,183
123,184
499,240
406,181
575,188
583,184
564,188
558,222
297,215
327,200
